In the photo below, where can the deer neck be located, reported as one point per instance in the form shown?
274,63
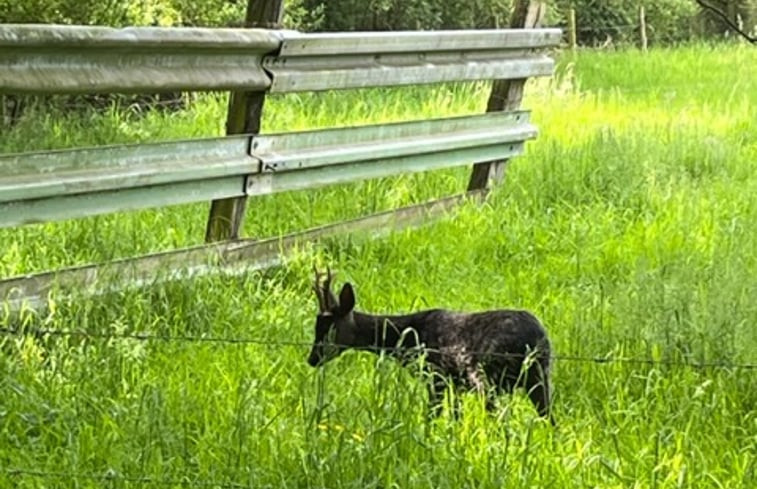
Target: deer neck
386,333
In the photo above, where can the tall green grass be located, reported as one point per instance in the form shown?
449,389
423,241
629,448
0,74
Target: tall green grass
629,227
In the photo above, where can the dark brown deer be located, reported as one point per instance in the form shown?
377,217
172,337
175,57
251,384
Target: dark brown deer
502,349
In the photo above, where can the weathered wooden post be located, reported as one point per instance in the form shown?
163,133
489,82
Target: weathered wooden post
572,28
245,112
643,27
507,94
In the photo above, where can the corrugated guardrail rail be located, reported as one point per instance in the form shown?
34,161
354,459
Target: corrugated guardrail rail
48,186
73,59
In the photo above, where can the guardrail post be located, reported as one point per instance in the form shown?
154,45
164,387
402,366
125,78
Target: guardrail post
507,94
245,111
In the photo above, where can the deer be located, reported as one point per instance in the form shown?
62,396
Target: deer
489,352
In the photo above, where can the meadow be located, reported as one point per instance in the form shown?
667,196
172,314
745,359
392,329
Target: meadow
629,227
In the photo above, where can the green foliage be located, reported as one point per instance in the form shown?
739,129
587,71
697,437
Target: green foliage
740,12
209,13
297,15
301,14
349,15
91,12
668,21
628,227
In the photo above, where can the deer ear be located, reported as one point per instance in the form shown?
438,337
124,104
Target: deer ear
346,299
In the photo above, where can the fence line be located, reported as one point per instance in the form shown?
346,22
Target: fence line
260,341
112,476
600,28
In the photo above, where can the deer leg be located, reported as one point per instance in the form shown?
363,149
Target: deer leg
479,384
538,390
436,388
475,380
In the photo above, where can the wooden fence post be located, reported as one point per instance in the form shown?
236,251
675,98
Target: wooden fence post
507,94
643,27
572,28
245,111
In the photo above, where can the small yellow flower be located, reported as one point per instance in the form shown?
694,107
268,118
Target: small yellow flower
340,429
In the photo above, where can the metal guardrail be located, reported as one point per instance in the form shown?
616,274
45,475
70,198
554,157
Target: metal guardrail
54,185
368,59
232,257
311,159
77,59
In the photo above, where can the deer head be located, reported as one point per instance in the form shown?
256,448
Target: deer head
335,329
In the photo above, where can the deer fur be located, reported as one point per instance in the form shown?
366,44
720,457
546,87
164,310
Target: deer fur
472,350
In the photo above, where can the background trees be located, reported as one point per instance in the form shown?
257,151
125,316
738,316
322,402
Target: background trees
669,21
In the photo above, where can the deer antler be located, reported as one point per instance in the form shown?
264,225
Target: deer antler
319,291
331,301
326,298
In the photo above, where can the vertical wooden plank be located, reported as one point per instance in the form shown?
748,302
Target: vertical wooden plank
572,28
245,112
643,27
507,94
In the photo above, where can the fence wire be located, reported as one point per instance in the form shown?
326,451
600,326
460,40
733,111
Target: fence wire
596,359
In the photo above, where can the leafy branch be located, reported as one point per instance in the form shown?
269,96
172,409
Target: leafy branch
727,20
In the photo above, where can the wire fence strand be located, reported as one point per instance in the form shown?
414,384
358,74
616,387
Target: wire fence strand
594,359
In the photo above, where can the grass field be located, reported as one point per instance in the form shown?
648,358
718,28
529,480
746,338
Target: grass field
629,228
